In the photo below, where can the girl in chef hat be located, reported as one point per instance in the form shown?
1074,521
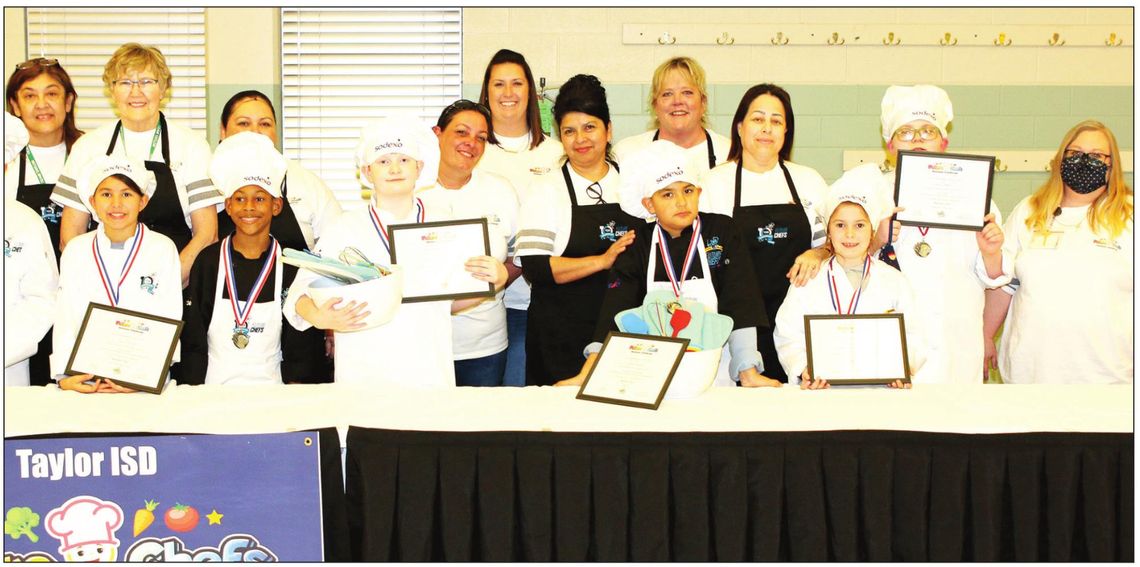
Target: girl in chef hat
122,263
851,281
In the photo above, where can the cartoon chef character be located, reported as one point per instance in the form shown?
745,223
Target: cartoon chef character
85,527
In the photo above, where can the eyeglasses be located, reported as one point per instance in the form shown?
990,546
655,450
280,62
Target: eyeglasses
594,191
1079,155
37,62
129,84
927,133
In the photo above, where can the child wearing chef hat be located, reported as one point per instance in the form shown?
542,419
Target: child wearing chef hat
850,282
122,263
85,527
706,260
414,348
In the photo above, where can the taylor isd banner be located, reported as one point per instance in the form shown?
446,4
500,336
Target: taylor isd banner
163,498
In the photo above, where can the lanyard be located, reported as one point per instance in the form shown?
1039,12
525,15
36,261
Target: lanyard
242,311
382,232
108,286
690,253
833,291
153,141
36,166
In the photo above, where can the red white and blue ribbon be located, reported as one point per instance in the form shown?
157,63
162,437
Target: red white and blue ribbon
833,291
690,255
242,310
109,286
382,231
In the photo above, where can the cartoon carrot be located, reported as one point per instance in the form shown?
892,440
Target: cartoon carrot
144,517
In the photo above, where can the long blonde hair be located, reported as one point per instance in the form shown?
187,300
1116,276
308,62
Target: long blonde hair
1112,209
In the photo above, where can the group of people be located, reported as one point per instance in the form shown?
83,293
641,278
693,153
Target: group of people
140,214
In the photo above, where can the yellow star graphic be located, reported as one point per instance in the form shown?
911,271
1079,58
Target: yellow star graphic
214,517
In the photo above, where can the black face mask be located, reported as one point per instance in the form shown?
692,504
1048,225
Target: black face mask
1083,174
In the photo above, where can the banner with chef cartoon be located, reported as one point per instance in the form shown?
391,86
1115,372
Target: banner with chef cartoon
163,498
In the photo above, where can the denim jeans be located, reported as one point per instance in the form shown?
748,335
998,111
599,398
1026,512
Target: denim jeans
516,348
485,371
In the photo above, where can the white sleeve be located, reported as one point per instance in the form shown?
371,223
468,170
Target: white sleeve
65,193
816,189
70,306
37,289
714,197
791,345
194,172
1015,233
511,213
326,209
536,219
1006,260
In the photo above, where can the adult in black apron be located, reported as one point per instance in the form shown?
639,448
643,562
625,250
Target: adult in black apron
772,258
708,144
285,227
562,317
163,213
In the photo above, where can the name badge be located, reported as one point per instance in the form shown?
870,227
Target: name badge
1045,240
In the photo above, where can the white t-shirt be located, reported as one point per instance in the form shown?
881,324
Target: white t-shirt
718,193
698,155
189,161
514,160
544,219
481,330
1071,317
312,202
49,159
30,282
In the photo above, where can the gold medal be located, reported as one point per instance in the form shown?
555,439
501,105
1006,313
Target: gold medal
240,340
922,249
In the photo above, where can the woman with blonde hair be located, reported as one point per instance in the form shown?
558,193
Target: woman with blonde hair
183,207
1072,246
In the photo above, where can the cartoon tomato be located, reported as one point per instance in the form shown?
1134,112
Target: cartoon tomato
181,518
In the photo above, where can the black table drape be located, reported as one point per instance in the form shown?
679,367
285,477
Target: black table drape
810,496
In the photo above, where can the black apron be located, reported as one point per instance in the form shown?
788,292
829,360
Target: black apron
772,257
708,144
284,227
163,214
562,317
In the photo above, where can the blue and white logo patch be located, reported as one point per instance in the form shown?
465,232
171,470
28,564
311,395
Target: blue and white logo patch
714,251
611,231
147,284
771,233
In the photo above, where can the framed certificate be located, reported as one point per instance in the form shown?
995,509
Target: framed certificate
131,348
432,255
857,349
944,190
633,370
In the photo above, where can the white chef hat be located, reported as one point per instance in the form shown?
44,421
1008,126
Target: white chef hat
247,158
84,520
649,170
103,167
859,185
15,137
920,102
398,135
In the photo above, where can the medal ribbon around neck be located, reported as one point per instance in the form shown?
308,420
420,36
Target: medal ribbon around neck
243,310
833,291
108,286
690,253
382,231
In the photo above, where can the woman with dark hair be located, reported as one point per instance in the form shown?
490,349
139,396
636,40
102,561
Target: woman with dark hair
461,191
40,94
571,229
521,153
775,203
308,206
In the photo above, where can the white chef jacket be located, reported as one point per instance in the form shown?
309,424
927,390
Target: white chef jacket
718,192
153,285
30,282
698,155
481,330
411,350
884,290
1071,320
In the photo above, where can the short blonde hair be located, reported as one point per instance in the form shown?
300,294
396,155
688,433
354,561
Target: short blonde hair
137,57
690,70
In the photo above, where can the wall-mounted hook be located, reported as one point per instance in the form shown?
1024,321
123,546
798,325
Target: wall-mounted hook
666,39
999,166
779,39
1003,41
948,40
835,39
1056,40
724,39
1049,166
1112,40
891,39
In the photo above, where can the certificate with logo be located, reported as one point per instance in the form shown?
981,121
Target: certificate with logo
633,370
132,349
432,255
857,349
944,190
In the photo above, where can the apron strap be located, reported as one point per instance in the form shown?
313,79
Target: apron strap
787,178
569,184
